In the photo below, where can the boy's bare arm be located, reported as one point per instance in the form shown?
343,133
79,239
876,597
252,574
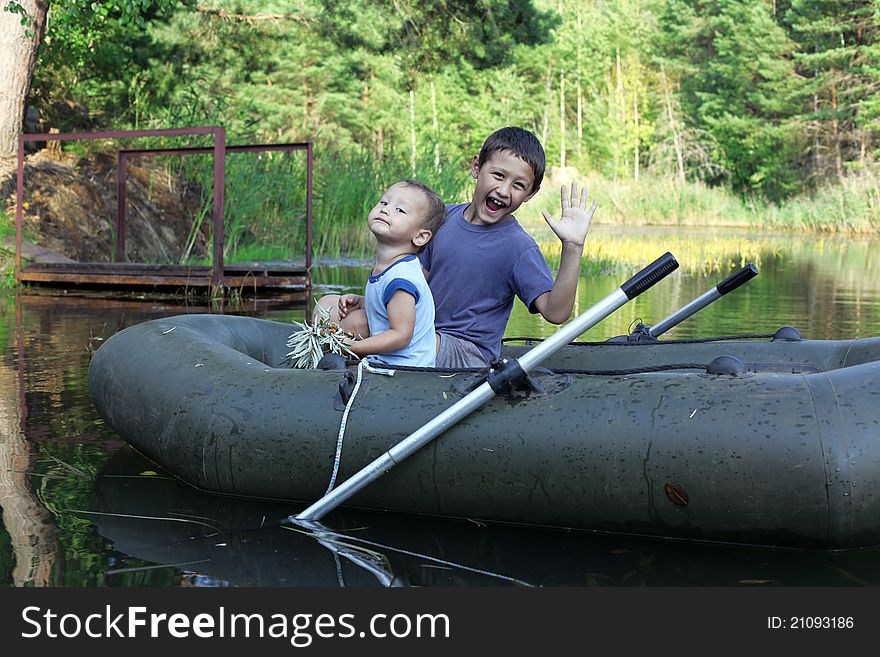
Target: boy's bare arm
401,319
571,228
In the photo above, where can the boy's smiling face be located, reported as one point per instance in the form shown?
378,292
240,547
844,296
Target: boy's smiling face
504,183
398,218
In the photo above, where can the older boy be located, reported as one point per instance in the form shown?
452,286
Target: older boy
397,301
482,258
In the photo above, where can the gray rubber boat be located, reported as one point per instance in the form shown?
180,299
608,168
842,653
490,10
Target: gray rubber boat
756,441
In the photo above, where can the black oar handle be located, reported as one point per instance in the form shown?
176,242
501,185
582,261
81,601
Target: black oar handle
736,279
660,268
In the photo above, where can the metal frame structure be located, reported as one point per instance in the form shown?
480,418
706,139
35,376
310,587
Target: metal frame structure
219,150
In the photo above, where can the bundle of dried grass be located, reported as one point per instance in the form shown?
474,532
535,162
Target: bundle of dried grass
313,341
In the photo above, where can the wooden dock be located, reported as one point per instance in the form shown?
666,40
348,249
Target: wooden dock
247,277
47,268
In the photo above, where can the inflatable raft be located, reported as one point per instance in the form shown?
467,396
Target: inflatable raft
770,441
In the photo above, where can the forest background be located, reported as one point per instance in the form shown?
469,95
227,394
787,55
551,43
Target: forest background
732,112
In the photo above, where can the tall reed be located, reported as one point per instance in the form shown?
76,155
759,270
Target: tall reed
265,204
852,206
348,185
266,200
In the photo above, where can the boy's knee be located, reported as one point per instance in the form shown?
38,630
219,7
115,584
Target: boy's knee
356,322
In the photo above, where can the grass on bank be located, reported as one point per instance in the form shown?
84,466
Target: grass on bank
850,207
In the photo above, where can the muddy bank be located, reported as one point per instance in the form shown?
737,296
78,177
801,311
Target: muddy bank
70,208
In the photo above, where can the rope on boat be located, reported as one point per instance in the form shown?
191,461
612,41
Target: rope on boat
635,370
717,338
362,365
580,372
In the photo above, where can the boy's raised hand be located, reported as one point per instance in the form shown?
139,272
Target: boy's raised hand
574,223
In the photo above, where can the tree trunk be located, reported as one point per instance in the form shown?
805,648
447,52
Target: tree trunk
670,116
412,129
836,132
621,115
562,119
547,96
636,160
580,123
580,120
18,55
436,128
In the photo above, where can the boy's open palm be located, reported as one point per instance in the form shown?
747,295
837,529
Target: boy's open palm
574,223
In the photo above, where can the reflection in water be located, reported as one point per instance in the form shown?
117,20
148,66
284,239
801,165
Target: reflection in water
828,287
154,518
53,445
31,528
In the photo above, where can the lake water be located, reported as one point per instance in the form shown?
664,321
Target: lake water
81,509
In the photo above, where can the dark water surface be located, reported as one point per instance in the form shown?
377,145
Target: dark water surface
80,508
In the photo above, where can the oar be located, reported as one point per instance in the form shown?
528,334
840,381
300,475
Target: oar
729,284
499,380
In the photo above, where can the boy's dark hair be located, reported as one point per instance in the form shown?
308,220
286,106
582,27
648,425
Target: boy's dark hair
436,213
521,143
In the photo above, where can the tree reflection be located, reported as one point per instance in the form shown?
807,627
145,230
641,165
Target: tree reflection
31,527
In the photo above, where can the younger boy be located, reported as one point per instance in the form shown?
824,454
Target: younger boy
482,258
397,300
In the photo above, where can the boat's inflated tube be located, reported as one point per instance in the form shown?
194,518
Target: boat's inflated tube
782,454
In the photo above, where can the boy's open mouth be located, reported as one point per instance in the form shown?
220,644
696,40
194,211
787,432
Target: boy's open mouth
493,204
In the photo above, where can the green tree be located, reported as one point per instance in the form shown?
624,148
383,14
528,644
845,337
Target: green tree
838,63
732,64
77,32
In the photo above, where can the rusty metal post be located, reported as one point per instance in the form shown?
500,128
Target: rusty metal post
309,207
19,198
121,206
219,203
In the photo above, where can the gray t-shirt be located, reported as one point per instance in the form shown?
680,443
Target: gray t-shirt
475,271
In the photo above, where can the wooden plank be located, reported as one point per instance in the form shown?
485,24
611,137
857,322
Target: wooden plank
140,275
119,268
246,282
152,269
106,279
243,282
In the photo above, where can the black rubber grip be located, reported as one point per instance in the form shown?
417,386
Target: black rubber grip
736,279
660,268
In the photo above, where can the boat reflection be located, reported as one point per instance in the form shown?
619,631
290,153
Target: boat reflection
157,522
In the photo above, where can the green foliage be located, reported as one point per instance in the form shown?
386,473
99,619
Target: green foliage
767,100
26,19
839,78
425,36
732,61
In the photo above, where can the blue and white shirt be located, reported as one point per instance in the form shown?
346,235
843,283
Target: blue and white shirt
405,274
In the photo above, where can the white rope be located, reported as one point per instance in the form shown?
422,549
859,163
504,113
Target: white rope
363,365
